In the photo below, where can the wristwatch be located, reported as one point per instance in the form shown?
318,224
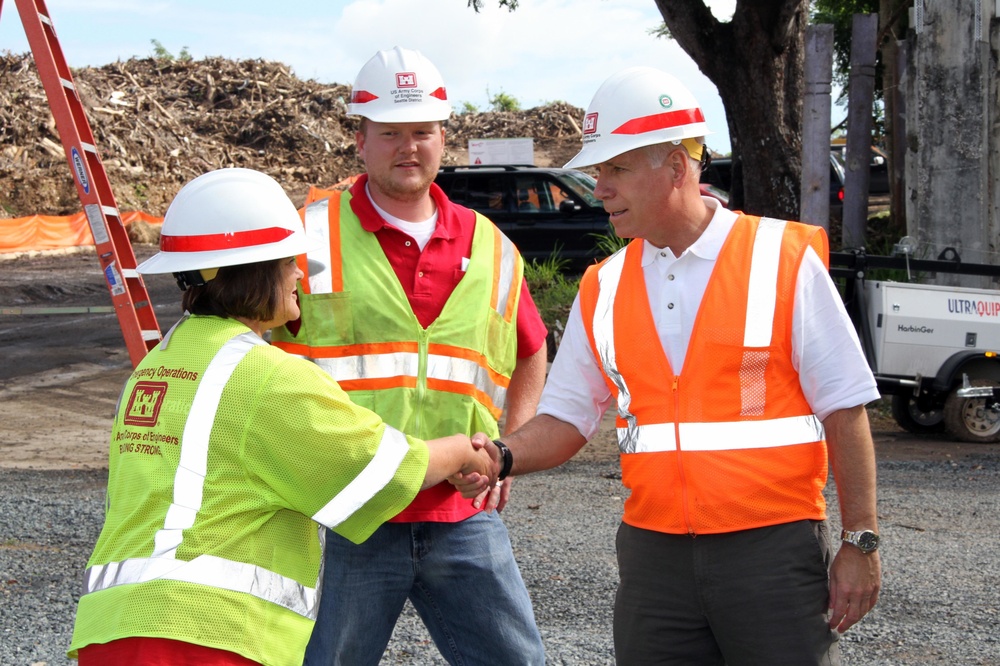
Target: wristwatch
864,540
508,459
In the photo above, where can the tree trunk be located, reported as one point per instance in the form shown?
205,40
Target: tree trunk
889,46
756,61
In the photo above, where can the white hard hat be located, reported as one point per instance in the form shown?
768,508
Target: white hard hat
224,218
399,86
638,106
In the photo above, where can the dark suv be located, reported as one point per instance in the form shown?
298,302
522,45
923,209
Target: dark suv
541,209
719,174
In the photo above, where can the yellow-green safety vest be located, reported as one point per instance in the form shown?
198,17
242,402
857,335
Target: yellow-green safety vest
227,455
357,324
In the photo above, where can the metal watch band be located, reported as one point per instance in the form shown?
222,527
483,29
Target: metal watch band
865,540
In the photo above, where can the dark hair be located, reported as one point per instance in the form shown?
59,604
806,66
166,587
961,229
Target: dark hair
247,290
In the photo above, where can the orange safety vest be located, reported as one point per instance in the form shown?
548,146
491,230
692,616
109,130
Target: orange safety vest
732,444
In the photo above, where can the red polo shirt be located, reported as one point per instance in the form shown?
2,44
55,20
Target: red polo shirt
152,651
428,277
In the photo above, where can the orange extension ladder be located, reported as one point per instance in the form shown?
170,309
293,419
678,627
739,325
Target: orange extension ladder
128,292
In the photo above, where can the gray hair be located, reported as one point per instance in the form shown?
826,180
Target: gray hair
658,153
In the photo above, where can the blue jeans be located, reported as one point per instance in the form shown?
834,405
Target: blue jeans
460,577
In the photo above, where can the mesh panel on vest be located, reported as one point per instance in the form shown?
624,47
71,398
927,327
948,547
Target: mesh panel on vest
753,388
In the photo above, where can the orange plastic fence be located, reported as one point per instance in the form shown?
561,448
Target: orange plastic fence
46,232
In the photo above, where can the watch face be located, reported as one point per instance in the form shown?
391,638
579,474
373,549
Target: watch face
868,541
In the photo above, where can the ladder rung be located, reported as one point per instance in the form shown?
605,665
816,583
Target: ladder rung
129,273
110,211
89,147
151,335
67,84
45,19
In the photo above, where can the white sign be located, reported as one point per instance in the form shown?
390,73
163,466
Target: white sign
502,151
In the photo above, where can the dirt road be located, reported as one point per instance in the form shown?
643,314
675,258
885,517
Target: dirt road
60,374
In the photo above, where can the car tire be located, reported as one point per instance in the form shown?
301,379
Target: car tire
912,418
972,419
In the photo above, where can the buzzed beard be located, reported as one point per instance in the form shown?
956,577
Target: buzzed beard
408,191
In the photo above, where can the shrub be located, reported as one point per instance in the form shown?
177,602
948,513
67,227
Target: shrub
553,292
503,102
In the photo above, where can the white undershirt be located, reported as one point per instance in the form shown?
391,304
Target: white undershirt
832,369
420,232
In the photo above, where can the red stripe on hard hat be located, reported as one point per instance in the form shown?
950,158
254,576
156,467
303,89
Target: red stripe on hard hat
440,93
210,242
362,96
661,121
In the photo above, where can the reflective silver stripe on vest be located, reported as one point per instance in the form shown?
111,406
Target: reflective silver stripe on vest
508,262
189,479
318,230
210,571
376,475
763,283
608,277
371,366
728,436
405,364
467,372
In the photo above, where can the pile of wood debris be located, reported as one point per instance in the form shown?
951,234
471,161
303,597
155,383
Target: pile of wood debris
158,123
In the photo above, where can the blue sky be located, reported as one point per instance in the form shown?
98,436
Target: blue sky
547,50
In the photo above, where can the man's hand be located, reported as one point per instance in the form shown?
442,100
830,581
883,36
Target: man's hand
480,464
477,479
855,578
495,496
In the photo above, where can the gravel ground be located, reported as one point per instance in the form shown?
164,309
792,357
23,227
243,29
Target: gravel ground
939,602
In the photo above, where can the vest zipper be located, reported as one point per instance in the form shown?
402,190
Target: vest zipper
677,447
421,389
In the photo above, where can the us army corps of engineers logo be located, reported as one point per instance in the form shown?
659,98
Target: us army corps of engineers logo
144,404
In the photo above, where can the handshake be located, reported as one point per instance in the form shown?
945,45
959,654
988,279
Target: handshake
483,473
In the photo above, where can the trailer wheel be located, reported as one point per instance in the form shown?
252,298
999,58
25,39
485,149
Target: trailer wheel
973,419
911,418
